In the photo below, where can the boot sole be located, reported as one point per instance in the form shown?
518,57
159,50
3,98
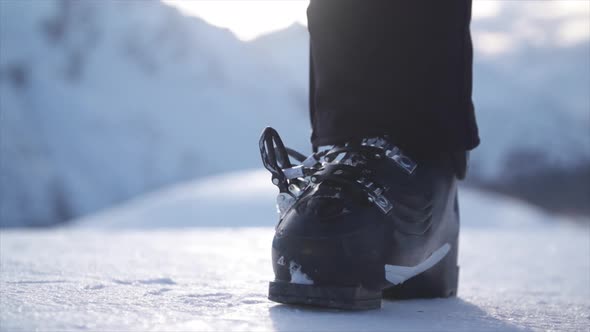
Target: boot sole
347,298
440,281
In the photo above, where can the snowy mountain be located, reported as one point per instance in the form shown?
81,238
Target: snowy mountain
102,101
145,266
287,52
533,105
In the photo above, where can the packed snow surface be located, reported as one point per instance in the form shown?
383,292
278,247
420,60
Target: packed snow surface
153,265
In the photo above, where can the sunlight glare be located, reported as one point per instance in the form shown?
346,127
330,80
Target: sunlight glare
252,18
482,9
247,19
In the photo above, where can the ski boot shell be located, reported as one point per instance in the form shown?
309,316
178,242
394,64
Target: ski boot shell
361,222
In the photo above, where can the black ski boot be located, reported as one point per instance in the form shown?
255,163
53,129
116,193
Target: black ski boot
361,222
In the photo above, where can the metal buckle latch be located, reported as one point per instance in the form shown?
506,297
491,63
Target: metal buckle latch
376,195
392,152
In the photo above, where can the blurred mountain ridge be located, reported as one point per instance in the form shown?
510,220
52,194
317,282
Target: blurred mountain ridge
102,101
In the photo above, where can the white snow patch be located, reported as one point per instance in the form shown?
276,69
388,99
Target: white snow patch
242,198
247,198
297,276
154,281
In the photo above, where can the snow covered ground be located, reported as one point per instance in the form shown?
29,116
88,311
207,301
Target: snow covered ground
162,263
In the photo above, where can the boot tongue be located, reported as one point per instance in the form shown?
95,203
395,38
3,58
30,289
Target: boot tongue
329,198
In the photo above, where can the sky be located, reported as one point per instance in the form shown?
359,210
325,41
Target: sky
248,19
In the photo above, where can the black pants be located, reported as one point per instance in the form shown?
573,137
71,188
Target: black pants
397,67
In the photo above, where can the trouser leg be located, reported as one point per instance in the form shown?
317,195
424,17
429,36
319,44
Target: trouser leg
397,67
